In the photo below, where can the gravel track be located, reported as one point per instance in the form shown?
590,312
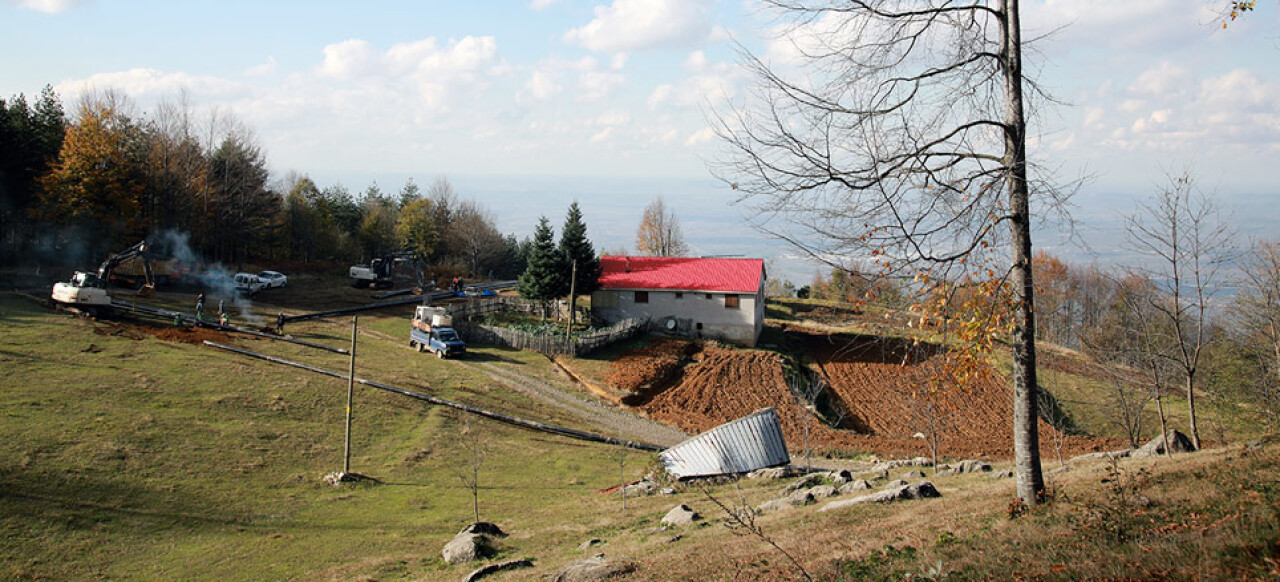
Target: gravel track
609,421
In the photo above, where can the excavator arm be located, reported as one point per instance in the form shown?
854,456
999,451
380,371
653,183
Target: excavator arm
138,251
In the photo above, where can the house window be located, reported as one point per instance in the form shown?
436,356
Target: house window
708,296
730,301
642,296
679,295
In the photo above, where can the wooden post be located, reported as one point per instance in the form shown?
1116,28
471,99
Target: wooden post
351,388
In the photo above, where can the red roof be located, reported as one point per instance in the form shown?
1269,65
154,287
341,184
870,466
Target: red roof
681,274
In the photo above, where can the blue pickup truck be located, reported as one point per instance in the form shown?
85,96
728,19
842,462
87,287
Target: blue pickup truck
432,332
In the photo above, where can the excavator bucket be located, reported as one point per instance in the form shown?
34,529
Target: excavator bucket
147,291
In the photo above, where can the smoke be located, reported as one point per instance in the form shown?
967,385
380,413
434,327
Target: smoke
217,281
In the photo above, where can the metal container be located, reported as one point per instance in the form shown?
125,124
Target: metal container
740,446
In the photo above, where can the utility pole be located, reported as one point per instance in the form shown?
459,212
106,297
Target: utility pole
351,388
573,299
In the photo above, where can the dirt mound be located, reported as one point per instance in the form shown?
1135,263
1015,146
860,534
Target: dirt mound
652,365
877,392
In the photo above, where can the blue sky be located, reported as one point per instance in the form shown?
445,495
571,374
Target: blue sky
618,89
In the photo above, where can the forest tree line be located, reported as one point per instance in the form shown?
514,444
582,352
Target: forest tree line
77,185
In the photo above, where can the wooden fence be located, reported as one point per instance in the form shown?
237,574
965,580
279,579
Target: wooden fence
549,344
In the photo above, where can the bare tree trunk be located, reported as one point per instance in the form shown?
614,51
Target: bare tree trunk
1026,435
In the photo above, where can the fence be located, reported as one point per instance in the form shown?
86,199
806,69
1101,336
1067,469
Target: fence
549,344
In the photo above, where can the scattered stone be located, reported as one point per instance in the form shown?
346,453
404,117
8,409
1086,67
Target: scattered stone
593,568
874,475
484,528
841,477
1177,442
668,491
771,473
802,497
640,488
896,483
591,543
466,547
337,478
913,475
1002,474
675,538
855,486
945,473
805,482
823,491
1102,455
972,466
494,568
920,490
680,515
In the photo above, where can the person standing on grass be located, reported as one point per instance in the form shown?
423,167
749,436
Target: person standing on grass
200,307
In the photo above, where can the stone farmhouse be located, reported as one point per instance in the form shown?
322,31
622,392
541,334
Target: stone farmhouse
714,298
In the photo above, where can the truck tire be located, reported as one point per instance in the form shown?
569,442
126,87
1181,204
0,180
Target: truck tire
422,348
440,354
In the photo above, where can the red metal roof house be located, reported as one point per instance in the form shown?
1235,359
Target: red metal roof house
696,297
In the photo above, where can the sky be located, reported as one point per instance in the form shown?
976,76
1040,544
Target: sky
530,104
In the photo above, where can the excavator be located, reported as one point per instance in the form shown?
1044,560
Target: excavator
88,291
377,273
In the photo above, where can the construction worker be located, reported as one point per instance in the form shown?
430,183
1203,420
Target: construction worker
200,307
280,324
224,320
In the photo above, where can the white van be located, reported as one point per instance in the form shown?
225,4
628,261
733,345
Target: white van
249,284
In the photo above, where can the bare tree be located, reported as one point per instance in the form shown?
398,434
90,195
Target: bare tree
1256,313
901,139
1186,242
659,234
471,456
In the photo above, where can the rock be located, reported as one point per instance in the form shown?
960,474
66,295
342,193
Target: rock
874,475
680,515
641,488
841,477
1002,474
823,491
913,475
667,491
493,568
593,568
855,486
466,547
675,538
802,497
945,473
805,482
771,473
920,490
896,483
484,528
972,466
1177,442
591,543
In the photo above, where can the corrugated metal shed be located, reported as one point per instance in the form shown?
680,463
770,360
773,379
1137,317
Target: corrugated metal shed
746,444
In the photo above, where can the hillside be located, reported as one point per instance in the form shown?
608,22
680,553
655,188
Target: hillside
133,456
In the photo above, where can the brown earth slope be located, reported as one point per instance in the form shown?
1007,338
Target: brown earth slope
868,382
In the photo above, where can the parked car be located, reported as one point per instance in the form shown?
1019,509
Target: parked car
248,283
273,279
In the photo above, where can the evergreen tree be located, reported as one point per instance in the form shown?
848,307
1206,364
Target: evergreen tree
545,278
575,246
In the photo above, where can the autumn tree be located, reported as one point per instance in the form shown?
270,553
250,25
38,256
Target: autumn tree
473,240
417,227
96,183
1186,243
659,234
1255,311
901,136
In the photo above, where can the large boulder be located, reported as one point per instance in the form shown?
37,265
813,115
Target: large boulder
467,547
896,483
593,568
805,482
484,528
494,568
640,488
774,505
822,491
841,477
918,490
913,475
972,466
680,515
802,497
855,486
772,473
1172,441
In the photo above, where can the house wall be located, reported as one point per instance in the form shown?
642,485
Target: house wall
690,310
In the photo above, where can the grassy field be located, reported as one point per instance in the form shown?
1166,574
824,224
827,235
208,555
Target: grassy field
127,457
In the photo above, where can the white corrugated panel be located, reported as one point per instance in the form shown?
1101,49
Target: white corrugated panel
746,444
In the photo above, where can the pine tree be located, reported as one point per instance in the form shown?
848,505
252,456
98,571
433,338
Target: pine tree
575,246
545,278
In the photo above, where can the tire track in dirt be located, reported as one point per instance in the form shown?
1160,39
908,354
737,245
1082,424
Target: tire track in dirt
609,421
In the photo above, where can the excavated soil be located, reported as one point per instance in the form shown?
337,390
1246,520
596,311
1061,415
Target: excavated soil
878,393
653,365
187,335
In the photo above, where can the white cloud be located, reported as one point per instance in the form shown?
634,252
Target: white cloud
712,83
1150,24
48,6
631,25
701,136
262,70
1163,79
696,61
542,85
602,136
149,84
349,59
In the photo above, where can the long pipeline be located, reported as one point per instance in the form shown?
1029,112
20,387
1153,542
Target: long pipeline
549,428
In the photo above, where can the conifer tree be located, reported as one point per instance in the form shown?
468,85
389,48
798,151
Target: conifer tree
545,278
575,246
